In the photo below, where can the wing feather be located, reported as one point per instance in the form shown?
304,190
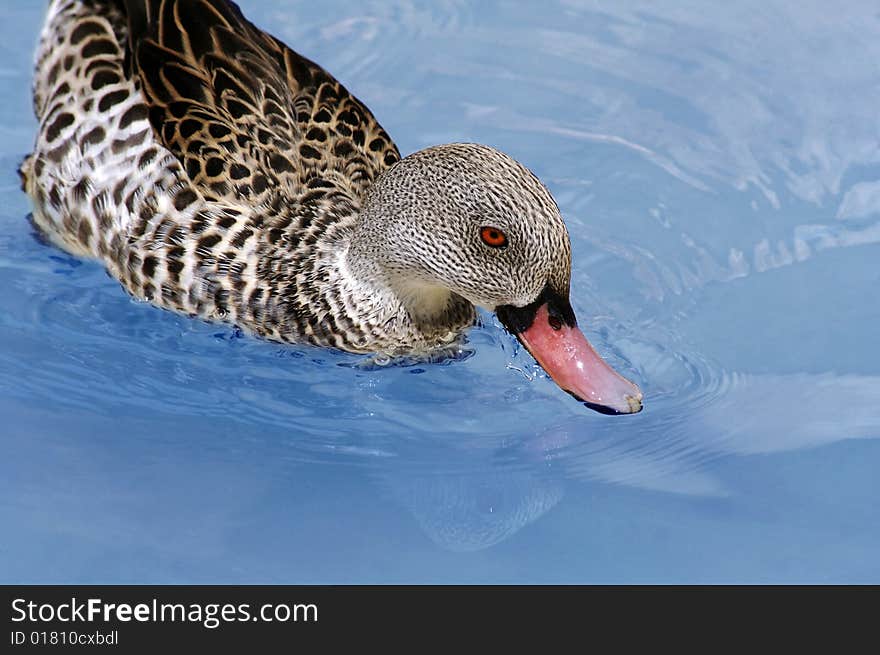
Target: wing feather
248,117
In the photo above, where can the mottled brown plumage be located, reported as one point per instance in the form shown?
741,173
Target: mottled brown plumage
247,117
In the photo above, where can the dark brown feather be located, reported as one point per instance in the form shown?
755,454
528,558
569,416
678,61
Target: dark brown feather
221,90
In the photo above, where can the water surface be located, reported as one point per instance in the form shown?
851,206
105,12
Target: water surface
719,170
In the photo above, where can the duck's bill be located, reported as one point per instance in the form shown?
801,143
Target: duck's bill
564,352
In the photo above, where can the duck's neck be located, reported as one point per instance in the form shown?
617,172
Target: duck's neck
424,303
417,311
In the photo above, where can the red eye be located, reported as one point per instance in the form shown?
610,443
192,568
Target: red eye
494,237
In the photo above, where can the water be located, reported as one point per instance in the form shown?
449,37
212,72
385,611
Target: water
719,171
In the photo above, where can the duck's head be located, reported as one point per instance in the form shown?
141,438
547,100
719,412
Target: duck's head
468,220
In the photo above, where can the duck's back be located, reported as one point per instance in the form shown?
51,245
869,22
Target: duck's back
203,161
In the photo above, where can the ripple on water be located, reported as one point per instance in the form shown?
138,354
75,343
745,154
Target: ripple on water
86,333
671,197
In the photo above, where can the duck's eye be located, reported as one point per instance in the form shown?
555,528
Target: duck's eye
493,237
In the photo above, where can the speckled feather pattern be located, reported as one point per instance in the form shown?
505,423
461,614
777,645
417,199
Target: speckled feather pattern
216,172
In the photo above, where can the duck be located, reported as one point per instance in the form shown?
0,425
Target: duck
217,173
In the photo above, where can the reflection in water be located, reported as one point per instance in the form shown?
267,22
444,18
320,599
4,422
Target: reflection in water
471,502
464,511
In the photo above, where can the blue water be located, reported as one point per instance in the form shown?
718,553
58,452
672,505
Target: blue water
719,170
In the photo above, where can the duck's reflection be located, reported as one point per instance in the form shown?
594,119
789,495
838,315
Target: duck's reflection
477,509
469,500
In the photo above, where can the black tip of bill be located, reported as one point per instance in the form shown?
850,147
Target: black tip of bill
602,409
